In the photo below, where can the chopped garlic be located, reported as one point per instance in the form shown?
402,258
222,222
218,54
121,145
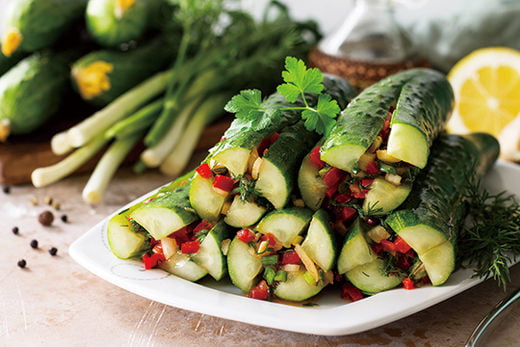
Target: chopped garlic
169,247
256,168
378,234
307,262
291,267
224,246
262,247
394,179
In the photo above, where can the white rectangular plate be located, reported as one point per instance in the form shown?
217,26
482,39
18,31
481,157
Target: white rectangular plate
332,316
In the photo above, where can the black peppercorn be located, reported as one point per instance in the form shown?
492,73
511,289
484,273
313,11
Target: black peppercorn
15,230
22,263
6,189
64,218
34,244
46,218
53,251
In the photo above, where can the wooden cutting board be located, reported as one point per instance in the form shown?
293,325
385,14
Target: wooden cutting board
20,156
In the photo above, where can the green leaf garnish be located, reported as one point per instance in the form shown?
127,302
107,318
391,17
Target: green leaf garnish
299,80
246,105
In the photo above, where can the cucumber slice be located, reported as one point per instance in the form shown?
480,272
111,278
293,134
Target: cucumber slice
234,159
408,144
356,250
210,255
242,213
272,184
311,184
243,267
285,224
371,279
204,199
181,265
166,214
320,243
439,262
296,288
385,196
124,243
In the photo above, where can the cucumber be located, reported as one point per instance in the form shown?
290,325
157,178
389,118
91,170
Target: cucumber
122,240
210,255
181,265
383,197
320,242
280,164
32,91
243,267
423,99
102,76
113,22
166,214
31,25
296,288
204,199
242,213
8,62
430,218
371,279
311,184
285,224
355,251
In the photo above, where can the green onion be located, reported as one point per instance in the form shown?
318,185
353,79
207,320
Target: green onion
387,168
270,260
137,122
281,276
269,275
308,278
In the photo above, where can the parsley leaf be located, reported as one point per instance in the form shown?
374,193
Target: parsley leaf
322,118
246,105
299,80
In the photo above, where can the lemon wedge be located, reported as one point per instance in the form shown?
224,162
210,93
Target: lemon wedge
486,84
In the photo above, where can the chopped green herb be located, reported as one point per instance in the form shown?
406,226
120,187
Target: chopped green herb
270,260
269,275
281,276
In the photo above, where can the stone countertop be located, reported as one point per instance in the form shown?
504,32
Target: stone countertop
54,301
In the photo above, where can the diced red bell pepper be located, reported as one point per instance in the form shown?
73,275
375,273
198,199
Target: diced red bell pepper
267,142
246,235
203,226
376,248
329,193
403,263
411,253
388,246
372,168
372,222
400,245
148,200
333,177
271,238
204,171
385,131
224,183
153,242
348,291
357,192
182,235
260,291
345,214
190,247
158,248
290,257
342,198
367,182
408,283
274,137
315,158
152,260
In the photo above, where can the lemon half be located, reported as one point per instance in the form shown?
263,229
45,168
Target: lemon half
487,91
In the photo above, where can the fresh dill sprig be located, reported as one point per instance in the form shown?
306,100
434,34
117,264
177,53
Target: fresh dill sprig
490,240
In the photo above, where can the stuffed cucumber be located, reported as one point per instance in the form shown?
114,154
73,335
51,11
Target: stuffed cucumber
430,219
363,166
30,25
101,76
32,91
289,255
260,164
113,22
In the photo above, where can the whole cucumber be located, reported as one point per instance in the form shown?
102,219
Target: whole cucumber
113,22
31,92
101,76
30,25
8,62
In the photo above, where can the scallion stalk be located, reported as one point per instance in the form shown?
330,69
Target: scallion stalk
137,122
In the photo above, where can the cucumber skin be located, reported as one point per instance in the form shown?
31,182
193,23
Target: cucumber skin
32,90
410,90
437,198
219,232
129,67
241,134
8,62
42,23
